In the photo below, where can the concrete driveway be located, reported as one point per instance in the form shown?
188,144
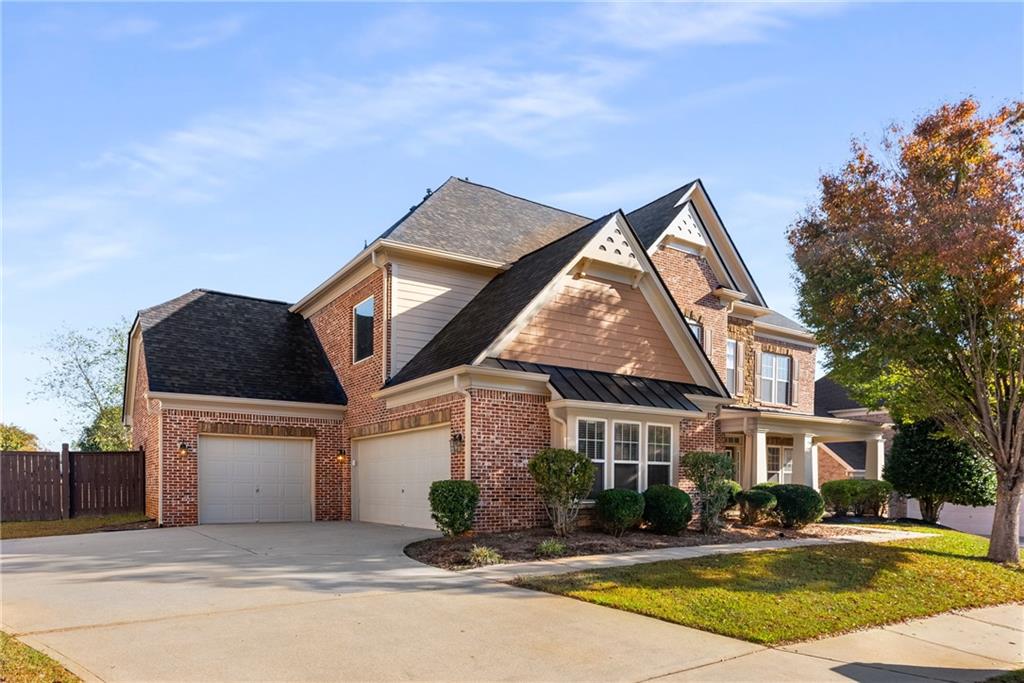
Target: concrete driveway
333,601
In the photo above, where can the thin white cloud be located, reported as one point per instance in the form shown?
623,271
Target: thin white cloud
656,26
207,34
627,193
126,27
398,30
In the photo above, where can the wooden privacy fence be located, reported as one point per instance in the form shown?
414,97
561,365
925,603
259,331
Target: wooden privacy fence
48,485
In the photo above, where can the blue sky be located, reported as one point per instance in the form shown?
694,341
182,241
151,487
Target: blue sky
253,148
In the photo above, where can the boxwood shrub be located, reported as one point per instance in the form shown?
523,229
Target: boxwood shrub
667,510
797,505
734,488
754,505
862,497
838,496
619,510
453,505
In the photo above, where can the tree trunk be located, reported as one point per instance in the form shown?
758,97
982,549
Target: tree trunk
1004,546
930,508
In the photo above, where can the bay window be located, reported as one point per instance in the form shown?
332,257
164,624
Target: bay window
634,456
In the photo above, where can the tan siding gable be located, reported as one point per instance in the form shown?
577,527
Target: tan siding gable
596,324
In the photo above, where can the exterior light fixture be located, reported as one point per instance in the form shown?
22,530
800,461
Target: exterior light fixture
342,455
455,443
183,449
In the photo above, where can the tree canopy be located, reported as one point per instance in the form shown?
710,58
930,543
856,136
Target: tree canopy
14,438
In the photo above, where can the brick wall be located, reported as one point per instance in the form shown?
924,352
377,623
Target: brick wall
508,429
696,435
146,435
181,473
830,467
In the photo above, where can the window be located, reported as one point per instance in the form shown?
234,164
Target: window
626,456
590,442
362,330
697,329
730,365
659,454
780,464
774,378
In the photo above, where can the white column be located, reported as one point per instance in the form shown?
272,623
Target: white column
875,460
760,456
805,460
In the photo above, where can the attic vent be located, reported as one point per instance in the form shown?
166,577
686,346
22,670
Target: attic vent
618,252
610,239
602,248
617,231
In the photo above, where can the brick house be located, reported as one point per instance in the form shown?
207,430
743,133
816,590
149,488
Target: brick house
476,330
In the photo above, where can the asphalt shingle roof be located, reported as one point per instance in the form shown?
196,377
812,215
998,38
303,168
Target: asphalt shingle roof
829,395
474,220
606,387
853,453
495,306
779,320
650,220
217,344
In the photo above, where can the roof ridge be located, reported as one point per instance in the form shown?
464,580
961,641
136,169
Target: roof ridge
520,198
241,296
684,185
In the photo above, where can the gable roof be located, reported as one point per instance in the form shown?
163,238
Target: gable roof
218,344
651,220
853,453
495,306
607,387
829,395
475,220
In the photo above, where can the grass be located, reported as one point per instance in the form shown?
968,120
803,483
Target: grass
800,593
21,664
61,527
1008,677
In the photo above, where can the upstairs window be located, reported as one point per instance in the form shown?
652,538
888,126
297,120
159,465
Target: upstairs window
362,330
730,365
697,329
775,377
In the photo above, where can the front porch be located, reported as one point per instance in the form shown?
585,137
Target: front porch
783,447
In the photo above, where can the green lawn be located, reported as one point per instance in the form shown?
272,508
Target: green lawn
783,596
1008,677
21,664
61,527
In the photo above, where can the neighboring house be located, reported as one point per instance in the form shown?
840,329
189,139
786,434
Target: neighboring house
478,329
846,459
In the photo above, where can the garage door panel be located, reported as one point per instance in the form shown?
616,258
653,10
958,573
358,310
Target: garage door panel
394,474
250,480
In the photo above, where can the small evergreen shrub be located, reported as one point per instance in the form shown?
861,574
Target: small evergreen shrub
764,486
563,478
709,472
797,505
482,555
550,547
667,510
619,510
838,496
453,505
870,497
734,488
754,505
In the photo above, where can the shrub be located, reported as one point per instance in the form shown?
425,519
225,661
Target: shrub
754,504
453,505
667,509
709,472
838,496
797,505
563,478
550,547
764,486
870,497
926,465
482,555
734,488
619,510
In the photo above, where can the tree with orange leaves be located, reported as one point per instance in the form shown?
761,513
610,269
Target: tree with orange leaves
911,274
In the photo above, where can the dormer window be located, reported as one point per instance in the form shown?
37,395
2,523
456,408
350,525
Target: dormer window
362,330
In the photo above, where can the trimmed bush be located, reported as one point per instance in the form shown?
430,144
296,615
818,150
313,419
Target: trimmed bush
870,497
482,555
453,505
550,547
838,496
764,486
734,488
754,505
563,478
619,510
667,510
709,472
797,505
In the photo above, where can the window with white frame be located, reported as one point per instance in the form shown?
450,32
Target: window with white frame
780,464
362,330
590,442
775,377
697,329
626,456
659,455
730,365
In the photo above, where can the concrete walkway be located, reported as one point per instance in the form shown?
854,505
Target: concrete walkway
566,565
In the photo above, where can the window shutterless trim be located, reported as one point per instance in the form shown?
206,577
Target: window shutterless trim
355,330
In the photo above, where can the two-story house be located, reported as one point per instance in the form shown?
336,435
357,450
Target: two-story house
478,329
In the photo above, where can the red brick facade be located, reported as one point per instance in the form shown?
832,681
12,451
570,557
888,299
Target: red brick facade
146,435
830,467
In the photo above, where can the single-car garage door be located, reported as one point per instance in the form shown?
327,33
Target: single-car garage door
254,480
394,473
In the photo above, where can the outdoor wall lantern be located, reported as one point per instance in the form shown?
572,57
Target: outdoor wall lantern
183,449
342,455
455,443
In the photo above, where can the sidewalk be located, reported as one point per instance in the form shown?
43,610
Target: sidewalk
565,565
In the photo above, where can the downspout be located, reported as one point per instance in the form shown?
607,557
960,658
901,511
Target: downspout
386,317
468,426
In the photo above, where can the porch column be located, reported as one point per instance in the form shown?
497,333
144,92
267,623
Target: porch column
758,446
805,460
875,460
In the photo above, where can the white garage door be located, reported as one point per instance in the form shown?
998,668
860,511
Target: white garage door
254,480
963,518
394,474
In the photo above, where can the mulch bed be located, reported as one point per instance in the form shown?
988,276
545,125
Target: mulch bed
521,546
